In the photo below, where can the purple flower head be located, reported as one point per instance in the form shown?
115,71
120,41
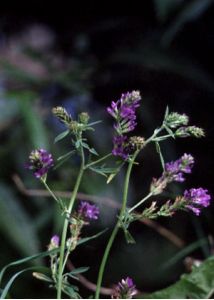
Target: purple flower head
174,170
55,240
125,289
40,161
196,199
88,211
54,243
124,111
120,146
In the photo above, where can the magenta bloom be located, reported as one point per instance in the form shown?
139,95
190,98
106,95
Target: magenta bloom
196,199
40,161
124,111
120,146
55,240
125,289
88,211
175,169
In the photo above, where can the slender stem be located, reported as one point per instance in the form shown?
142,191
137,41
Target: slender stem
65,227
117,226
154,135
98,160
160,138
50,191
65,260
140,202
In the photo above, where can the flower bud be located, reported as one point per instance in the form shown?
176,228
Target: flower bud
137,142
54,243
62,114
84,118
190,131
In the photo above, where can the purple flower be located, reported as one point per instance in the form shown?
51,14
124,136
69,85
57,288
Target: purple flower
54,243
55,240
196,199
124,289
40,161
124,111
175,169
120,146
88,211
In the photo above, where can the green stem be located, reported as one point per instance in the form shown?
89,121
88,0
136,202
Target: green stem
162,137
117,226
65,227
97,161
140,202
152,137
50,191
65,260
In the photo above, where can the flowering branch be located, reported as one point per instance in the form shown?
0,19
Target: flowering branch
127,148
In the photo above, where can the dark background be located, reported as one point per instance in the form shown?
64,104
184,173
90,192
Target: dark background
83,63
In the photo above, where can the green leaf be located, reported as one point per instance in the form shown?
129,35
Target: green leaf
27,259
170,132
61,136
46,253
42,277
12,279
166,112
184,252
199,284
68,154
16,224
103,170
91,150
160,154
71,291
77,271
86,239
129,237
62,159
94,123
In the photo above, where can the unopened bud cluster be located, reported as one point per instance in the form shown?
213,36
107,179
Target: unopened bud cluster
62,114
190,131
174,120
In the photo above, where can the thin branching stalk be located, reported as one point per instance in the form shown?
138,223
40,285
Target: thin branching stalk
117,226
98,160
65,227
140,202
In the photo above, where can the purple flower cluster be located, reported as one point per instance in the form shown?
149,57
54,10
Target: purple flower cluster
175,169
125,289
124,113
88,211
196,199
40,161
120,146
